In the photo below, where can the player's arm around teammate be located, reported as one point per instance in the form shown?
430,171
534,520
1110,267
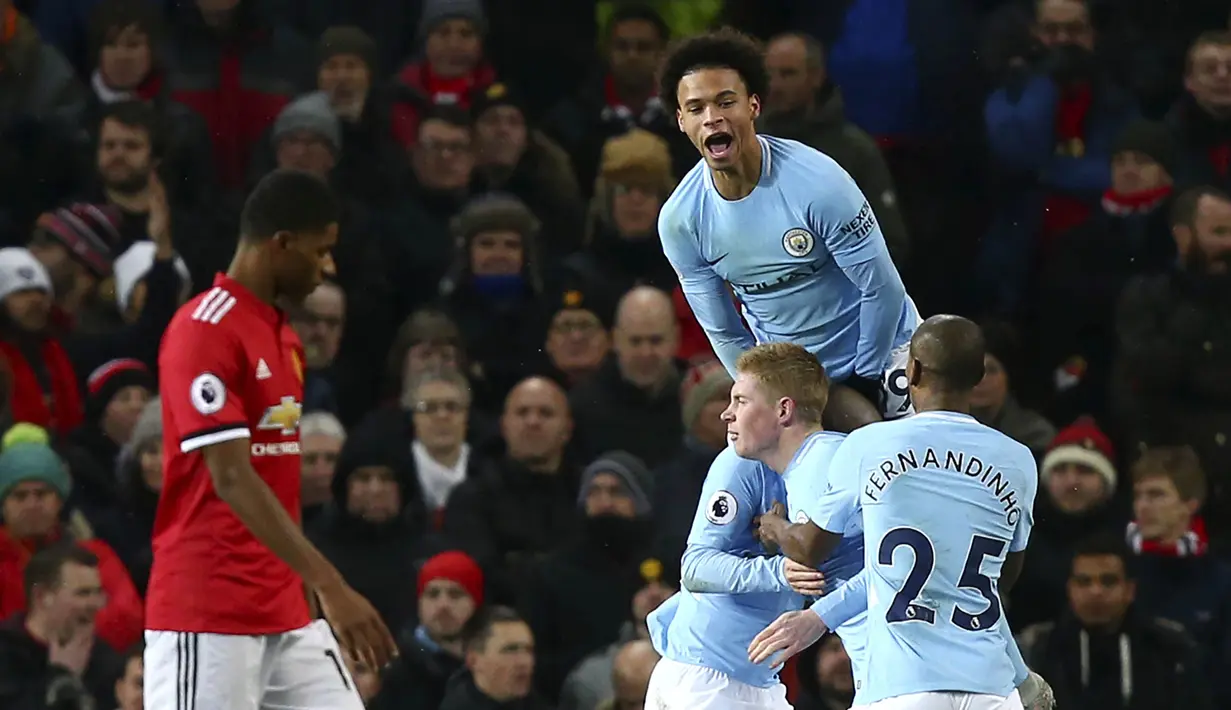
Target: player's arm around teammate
356,623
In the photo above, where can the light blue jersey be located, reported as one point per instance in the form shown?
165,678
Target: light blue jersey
807,477
943,499
730,588
803,253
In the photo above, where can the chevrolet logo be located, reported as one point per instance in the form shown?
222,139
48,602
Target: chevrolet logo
283,416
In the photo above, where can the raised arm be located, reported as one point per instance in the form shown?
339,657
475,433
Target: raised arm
705,290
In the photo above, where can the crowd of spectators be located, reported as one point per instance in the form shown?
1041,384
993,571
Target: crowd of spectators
509,409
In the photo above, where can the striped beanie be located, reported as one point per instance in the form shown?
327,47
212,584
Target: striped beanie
89,232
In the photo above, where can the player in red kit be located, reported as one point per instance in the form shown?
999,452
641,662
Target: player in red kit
228,625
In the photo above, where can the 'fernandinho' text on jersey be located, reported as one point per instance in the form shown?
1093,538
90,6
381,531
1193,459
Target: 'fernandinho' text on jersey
804,256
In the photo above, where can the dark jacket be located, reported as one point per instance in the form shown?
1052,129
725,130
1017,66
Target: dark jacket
462,694
613,415
823,125
417,679
27,678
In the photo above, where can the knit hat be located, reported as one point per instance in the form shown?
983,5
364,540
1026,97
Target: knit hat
347,39
109,378
631,471
25,433
438,11
20,271
455,566
310,112
1082,442
494,212
579,292
89,232
33,462
493,95
703,383
638,158
1151,139
133,265
1001,342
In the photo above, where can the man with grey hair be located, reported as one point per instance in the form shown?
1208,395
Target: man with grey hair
321,437
439,402
804,105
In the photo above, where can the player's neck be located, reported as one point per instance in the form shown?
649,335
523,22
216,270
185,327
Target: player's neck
739,182
246,269
789,444
928,401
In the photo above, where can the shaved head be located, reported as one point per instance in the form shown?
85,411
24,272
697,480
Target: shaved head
948,351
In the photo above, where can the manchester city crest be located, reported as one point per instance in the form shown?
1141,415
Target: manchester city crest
798,242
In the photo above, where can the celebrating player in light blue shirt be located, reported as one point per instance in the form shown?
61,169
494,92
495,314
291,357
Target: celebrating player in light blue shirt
730,588
946,506
784,226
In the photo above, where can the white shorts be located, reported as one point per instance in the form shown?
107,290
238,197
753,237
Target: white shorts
896,386
681,686
946,701
298,670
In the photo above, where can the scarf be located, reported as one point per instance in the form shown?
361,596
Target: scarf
60,412
1142,202
1063,212
436,479
147,90
617,110
1191,544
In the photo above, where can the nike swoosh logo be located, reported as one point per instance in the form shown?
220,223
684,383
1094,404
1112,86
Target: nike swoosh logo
715,261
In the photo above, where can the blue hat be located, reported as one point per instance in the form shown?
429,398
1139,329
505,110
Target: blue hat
33,462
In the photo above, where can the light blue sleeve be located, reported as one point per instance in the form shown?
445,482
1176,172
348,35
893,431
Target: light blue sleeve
838,504
705,290
730,499
844,220
844,603
1025,523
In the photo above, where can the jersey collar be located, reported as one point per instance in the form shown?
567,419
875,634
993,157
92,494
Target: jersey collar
248,300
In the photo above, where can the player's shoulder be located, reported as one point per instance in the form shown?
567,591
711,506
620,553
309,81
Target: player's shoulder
213,310
730,467
795,157
822,446
683,200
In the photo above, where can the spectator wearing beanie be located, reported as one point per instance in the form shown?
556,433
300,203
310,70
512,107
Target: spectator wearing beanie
139,478
1077,477
450,589
374,530
307,135
578,599
495,294
579,332
704,394
131,270
512,155
371,165
34,485
993,402
622,246
52,399
117,394
76,244
1129,235
450,67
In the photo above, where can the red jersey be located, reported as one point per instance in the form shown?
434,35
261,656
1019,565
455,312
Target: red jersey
230,367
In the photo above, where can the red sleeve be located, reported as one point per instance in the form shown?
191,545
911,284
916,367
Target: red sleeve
201,372
121,621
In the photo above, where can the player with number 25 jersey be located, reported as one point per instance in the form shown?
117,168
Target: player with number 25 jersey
944,499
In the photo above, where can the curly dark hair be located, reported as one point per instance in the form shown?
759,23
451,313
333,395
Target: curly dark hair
725,48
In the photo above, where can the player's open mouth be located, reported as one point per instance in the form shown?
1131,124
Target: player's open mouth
719,145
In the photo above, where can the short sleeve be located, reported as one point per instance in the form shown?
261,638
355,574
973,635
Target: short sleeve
200,385
837,507
728,502
1025,520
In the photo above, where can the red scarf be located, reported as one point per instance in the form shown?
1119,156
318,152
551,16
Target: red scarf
441,90
1063,212
1220,158
1191,544
1136,203
62,411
